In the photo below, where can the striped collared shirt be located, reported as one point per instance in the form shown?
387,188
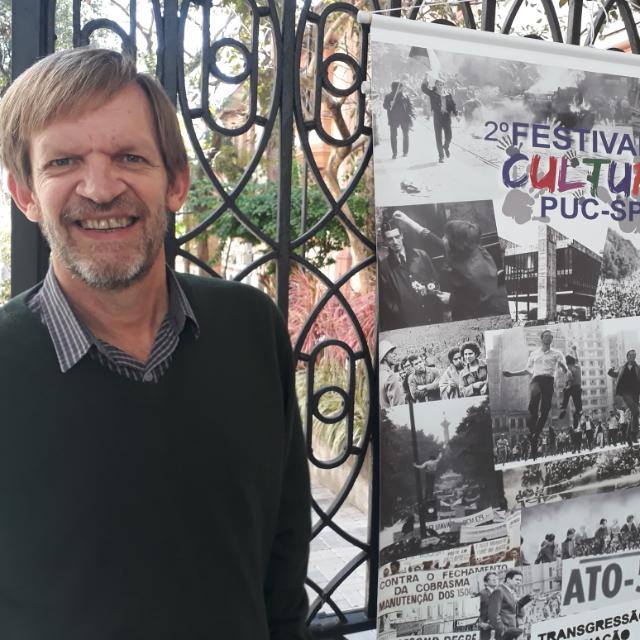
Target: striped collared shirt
72,339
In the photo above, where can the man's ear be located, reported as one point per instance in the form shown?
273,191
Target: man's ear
178,190
24,199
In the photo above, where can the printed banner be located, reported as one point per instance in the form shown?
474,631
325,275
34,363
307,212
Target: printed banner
615,622
591,581
507,189
435,602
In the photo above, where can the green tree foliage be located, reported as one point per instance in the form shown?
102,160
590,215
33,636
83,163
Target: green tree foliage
470,453
620,258
259,202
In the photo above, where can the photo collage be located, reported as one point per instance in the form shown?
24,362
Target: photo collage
508,330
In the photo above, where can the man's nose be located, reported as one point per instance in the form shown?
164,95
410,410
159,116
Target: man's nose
100,181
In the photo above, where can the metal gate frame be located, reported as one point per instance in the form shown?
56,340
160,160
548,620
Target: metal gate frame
33,36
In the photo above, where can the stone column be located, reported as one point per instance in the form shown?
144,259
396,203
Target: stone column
547,273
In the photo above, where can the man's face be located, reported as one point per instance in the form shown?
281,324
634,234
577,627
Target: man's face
439,86
420,365
457,360
547,338
492,581
100,191
392,357
631,356
515,582
469,356
393,238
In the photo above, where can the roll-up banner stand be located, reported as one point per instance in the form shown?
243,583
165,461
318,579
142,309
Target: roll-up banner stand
507,180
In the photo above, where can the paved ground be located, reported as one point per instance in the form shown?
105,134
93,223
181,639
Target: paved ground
330,552
475,164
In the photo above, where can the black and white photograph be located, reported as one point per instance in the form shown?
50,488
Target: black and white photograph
566,543
581,527
429,603
552,270
618,292
438,486
572,477
443,120
563,390
505,549
439,263
435,362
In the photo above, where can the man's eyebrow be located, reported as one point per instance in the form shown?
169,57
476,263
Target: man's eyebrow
134,147
58,151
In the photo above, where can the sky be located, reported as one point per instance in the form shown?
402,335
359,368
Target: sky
429,415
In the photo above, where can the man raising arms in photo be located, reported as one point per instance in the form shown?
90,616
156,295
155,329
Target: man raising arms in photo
541,366
141,495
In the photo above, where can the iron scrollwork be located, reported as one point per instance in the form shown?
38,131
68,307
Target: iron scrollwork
296,33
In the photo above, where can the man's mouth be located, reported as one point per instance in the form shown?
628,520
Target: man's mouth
107,224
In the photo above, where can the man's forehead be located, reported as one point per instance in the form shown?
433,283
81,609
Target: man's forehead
126,113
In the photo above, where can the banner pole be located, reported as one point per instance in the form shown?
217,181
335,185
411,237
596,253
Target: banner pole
416,461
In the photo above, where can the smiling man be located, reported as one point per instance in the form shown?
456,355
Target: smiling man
141,496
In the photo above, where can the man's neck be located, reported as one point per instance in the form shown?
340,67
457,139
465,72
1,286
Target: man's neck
546,347
126,318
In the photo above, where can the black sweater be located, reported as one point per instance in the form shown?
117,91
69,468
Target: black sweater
170,510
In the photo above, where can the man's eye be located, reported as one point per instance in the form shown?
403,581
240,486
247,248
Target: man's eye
61,162
131,158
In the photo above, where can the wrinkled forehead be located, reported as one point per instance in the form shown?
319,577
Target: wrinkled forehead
82,105
122,117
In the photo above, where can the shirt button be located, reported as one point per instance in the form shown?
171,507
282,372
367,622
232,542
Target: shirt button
148,377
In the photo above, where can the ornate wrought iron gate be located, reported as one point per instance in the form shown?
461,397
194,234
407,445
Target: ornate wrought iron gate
293,118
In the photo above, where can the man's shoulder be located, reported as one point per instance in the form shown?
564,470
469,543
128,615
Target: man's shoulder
23,337
215,291
419,253
14,312
393,378
232,308
498,593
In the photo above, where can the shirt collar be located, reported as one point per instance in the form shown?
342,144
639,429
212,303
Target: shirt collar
72,339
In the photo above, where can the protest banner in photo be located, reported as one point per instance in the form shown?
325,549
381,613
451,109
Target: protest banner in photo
434,602
613,622
507,184
438,482
590,581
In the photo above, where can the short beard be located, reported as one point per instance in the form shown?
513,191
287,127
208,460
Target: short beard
107,277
